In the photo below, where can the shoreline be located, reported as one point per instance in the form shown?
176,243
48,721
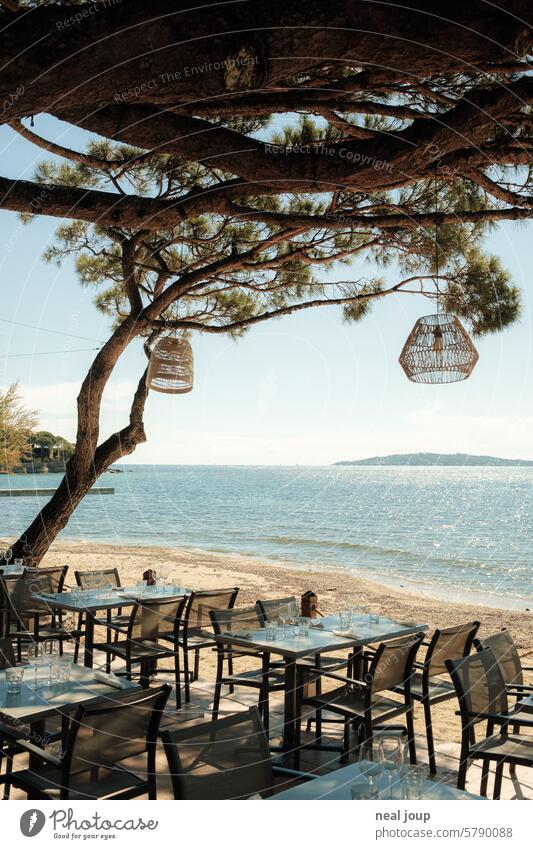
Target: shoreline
266,579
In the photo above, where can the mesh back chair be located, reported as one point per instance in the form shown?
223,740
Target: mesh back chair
102,738
196,622
7,655
98,579
152,635
482,696
29,620
242,620
508,659
270,608
226,759
362,703
427,685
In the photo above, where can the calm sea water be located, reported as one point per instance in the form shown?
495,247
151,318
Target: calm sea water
452,532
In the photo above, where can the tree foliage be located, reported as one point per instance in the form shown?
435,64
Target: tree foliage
16,424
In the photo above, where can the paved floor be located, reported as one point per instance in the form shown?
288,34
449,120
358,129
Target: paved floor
199,710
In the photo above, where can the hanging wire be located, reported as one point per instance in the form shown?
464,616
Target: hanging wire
46,353
46,330
437,256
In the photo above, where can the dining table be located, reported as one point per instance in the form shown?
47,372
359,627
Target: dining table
338,784
90,603
33,705
324,636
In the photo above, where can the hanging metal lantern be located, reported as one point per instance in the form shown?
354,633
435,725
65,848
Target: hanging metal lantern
171,366
438,350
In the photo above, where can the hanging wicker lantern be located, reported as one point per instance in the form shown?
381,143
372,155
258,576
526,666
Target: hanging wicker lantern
438,350
171,366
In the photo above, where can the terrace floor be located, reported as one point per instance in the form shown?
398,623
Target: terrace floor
199,710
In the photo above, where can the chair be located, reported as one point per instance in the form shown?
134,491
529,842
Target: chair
363,703
226,759
482,695
152,625
98,579
266,679
28,620
508,659
270,608
196,621
102,738
427,685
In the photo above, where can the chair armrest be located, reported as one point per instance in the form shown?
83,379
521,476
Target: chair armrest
528,688
498,718
41,753
527,668
343,678
282,770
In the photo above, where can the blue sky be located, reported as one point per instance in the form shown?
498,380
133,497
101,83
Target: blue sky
306,389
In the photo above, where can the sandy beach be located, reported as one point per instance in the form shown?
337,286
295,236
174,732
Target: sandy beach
335,590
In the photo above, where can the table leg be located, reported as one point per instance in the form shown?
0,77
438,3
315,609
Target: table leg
289,719
89,639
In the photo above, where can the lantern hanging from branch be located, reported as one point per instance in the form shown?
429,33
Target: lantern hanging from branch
171,366
438,350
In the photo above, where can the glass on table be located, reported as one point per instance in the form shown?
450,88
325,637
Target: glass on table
373,614
14,676
391,753
271,629
346,619
35,660
63,669
413,782
303,626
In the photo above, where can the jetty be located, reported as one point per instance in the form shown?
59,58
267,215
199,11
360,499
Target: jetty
17,493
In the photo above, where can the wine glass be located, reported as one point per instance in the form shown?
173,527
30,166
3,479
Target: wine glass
284,617
371,765
391,752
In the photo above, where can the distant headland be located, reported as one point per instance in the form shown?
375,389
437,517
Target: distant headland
434,460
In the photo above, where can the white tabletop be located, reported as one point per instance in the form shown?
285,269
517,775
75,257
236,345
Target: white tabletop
337,785
32,704
321,639
120,597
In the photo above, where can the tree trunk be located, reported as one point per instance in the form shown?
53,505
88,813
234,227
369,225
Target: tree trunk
81,473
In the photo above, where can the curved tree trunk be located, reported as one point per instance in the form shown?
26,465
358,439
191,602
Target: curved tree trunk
89,460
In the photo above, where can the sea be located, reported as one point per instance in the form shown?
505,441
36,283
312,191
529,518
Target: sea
454,533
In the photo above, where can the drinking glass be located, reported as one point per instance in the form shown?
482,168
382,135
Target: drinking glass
271,629
19,562
303,626
391,752
163,573
413,782
14,676
108,592
63,667
374,614
35,659
51,653
345,617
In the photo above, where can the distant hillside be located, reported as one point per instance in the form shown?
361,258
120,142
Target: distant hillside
434,460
